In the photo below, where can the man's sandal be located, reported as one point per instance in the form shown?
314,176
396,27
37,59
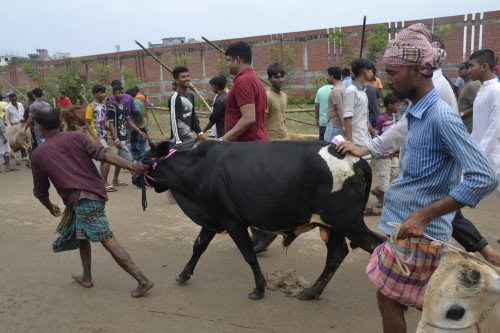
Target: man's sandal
111,188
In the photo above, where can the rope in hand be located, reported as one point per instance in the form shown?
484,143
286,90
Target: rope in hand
151,163
435,243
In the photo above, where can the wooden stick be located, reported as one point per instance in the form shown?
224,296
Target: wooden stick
84,99
191,86
362,37
20,93
156,121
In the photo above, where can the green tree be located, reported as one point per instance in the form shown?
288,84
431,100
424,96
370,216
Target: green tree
377,42
181,60
284,55
71,81
101,74
129,78
224,70
45,80
342,46
444,31
20,61
21,90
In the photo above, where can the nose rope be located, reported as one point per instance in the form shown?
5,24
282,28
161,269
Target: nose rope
152,163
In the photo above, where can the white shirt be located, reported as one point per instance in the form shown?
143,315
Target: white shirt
356,107
486,122
13,115
444,89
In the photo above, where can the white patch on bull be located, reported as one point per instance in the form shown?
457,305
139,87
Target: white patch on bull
341,169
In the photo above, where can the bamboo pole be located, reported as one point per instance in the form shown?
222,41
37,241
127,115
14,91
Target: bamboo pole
156,121
191,86
20,93
362,37
146,94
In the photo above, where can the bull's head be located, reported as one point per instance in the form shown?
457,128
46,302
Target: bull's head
461,295
152,161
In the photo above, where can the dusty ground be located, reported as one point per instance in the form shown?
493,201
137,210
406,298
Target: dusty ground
38,295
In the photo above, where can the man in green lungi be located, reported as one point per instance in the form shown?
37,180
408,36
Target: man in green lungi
66,160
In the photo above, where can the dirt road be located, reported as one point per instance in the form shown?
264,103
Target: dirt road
37,293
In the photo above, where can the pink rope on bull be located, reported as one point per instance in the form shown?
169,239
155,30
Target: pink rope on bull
170,153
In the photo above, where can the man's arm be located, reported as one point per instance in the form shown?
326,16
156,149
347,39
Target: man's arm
348,128
135,128
7,116
415,224
2,135
340,113
371,130
114,159
51,207
244,123
28,122
349,101
90,130
316,113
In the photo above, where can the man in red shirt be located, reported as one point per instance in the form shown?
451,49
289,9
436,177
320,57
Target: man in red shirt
246,105
246,102
63,100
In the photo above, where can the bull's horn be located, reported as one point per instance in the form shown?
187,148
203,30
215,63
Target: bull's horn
473,276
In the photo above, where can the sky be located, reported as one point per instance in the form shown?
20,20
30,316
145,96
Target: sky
97,26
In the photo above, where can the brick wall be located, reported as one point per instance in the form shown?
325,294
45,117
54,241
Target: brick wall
313,54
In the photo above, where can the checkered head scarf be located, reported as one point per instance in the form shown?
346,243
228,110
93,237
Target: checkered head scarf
414,46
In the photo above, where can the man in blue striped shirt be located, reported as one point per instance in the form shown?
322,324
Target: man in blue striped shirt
429,190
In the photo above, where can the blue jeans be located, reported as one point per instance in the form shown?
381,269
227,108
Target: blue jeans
322,132
332,132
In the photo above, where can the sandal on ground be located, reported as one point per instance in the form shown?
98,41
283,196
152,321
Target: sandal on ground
11,169
119,183
111,188
370,212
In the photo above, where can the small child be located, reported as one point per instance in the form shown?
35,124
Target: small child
5,148
387,166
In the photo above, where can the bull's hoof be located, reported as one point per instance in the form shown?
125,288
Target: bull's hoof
183,277
307,294
257,293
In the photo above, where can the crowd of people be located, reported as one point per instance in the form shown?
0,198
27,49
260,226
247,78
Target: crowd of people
435,146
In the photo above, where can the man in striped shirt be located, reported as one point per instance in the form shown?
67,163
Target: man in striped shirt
429,190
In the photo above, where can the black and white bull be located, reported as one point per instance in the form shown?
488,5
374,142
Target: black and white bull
288,187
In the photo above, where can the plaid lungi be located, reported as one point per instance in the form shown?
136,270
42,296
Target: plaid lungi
390,280
90,222
138,145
